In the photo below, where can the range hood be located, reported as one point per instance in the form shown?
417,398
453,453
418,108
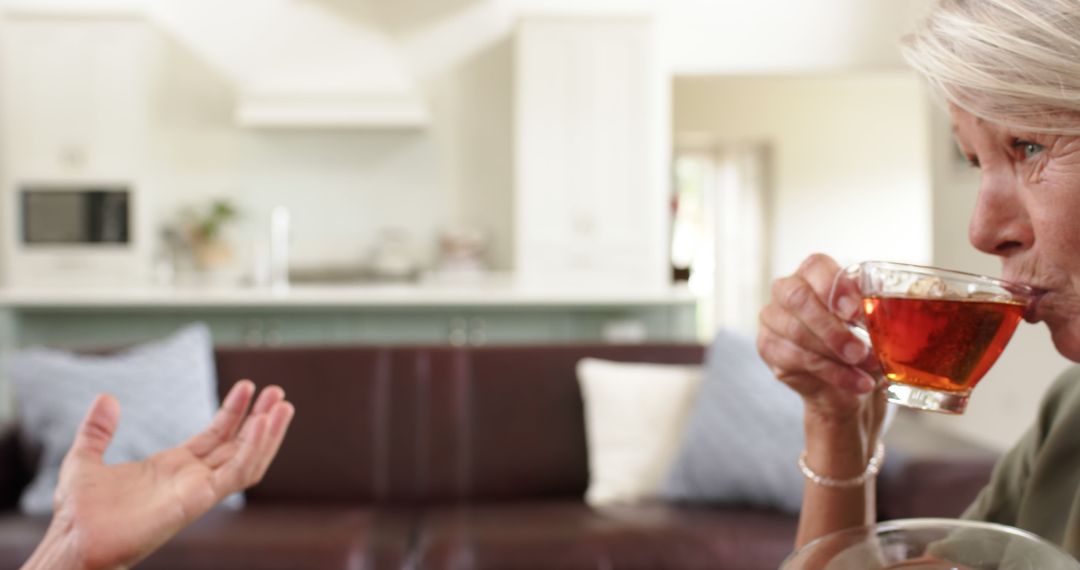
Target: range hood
330,109
300,64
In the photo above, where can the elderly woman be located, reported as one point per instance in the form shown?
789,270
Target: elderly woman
1010,72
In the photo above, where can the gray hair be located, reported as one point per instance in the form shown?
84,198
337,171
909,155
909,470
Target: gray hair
1011,62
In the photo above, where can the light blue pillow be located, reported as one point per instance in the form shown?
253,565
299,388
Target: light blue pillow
167,393
743,436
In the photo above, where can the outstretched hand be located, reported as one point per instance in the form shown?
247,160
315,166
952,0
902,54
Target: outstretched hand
112,516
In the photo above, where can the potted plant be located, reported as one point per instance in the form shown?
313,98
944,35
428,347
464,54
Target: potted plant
203,230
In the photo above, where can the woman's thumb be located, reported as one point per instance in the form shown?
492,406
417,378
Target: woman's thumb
97,428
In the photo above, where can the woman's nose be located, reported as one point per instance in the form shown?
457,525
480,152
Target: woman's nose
1000,224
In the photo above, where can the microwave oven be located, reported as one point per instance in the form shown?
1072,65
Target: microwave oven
75,233
86,216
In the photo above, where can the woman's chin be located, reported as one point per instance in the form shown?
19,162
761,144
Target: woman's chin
1066,337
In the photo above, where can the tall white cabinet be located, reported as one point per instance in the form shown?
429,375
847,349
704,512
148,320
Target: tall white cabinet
76,92
591,154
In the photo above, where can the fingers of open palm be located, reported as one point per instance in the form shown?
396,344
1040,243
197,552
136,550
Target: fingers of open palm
227,420
788,359
220,454
278,413
269,397
237,470
97,429
801,296
279,419
252,462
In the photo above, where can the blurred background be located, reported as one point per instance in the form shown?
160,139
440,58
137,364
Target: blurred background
467,171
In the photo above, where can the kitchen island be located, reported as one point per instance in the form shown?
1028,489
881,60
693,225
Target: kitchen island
495,312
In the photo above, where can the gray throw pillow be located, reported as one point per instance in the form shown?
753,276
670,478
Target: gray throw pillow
166,389
743,436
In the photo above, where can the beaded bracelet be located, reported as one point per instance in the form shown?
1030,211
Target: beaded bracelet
872,468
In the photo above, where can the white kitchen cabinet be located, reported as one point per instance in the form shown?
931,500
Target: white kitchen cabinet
76,92
76,96
591,153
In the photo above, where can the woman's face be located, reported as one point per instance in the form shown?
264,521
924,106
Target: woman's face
1028,214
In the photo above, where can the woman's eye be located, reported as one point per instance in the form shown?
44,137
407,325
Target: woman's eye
1028,148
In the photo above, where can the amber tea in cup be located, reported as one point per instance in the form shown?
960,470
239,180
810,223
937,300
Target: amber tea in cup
935,332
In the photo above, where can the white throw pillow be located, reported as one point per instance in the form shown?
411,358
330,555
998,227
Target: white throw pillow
634,419
166,389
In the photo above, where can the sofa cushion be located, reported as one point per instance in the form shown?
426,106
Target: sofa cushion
634,418
571,535
166,390
743,436
288,538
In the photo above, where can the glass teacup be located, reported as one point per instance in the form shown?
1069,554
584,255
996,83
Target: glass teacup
935,332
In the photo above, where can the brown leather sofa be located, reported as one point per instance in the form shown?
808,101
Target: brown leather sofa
460,458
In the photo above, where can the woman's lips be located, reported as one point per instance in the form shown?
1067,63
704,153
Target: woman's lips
1031,312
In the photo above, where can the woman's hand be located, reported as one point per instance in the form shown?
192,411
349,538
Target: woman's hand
809,348
112,516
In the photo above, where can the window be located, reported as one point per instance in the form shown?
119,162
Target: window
719,230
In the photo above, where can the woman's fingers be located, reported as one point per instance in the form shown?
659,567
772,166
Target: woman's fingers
220,454
232,475
227,420
279,419
788,359
783,324
97,429
242,461
800,298
269,398
801,338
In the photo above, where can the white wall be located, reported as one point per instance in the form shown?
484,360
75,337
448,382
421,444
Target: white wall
851,171
342,187
785,36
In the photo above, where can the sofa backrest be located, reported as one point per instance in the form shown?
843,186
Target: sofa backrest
425,424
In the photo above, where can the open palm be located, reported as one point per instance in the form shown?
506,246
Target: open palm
112,516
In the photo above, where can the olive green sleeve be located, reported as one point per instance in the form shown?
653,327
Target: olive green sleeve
1000,500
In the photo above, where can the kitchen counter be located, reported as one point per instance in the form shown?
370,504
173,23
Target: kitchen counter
361,296
486,311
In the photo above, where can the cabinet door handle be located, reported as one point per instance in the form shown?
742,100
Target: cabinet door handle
273,333
477,334
254,336
459,332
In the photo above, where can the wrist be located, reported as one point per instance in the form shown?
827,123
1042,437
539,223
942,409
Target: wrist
837,448
873,466
57,549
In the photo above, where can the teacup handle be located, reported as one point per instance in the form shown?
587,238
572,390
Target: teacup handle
846,287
